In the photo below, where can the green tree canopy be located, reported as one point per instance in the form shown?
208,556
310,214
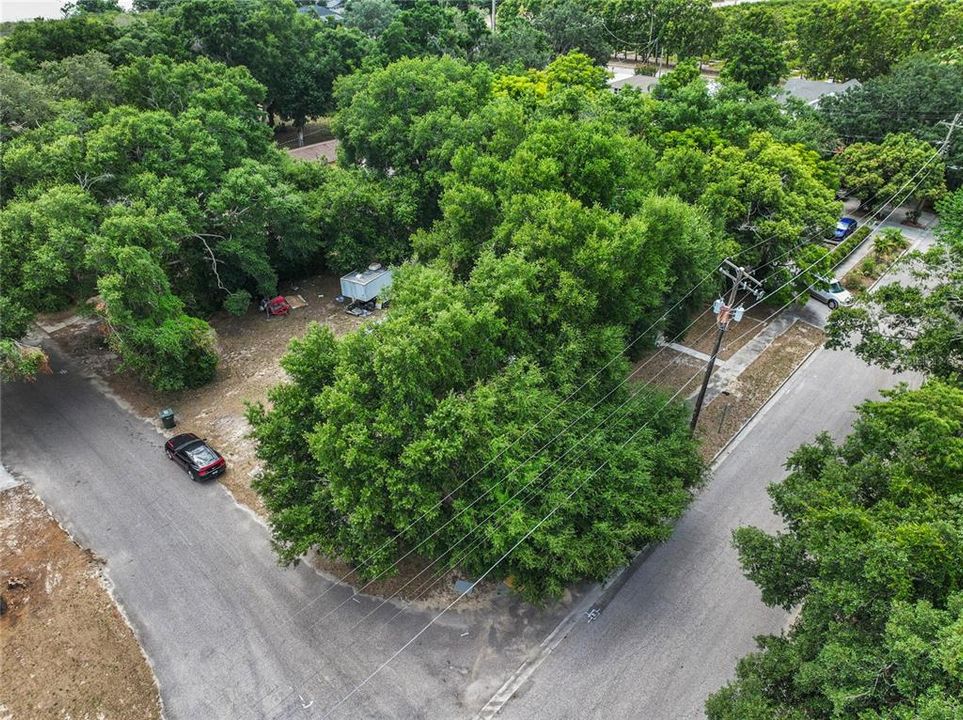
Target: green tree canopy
150,332
914,98
31,43
42,244
661,28
753,59
768,196
81,7
897,169
23,103
294,56
428,28
184,175
570,26
88,78
365,218
873,552
844,39
371,17
408,417
21,362
517,44
413,132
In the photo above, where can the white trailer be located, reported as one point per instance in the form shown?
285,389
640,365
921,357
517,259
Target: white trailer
366,285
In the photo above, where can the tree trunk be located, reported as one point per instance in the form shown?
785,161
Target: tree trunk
301,135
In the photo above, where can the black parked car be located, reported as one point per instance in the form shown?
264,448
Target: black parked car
199,459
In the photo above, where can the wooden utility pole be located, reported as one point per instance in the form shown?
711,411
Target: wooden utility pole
727,314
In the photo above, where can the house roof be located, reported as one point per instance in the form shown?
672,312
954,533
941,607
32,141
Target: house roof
322,11
643,82
326,151
811,91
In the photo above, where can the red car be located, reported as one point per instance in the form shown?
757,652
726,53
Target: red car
199,459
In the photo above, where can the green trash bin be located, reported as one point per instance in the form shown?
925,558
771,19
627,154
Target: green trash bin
167,418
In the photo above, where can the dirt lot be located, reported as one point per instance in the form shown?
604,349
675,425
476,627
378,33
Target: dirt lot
672,370
669,370
723,417
251,347
65,650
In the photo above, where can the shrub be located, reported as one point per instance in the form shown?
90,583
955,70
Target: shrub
19,362
237,302
148,326
178,354
847,246
889,242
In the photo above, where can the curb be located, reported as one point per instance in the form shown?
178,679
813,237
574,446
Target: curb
595,602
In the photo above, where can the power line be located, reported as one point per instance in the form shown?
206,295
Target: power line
622,382
487,572
527,487
678,303
527,432
878,223
411,551
613,359
568,427
528,534
610,415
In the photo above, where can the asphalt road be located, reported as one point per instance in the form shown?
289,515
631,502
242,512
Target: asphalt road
221,622
229,637
674,632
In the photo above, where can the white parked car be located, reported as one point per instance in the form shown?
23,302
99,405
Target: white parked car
831,292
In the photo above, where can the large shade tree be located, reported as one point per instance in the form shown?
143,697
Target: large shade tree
549,257
407,419
753,59
846,39
181,182
872,554
917,96
898,169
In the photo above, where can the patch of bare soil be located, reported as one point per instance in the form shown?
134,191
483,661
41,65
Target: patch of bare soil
669,370
317,130
65,649
416,580
251,348
725,415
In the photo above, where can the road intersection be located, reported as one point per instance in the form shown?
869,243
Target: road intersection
224,628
